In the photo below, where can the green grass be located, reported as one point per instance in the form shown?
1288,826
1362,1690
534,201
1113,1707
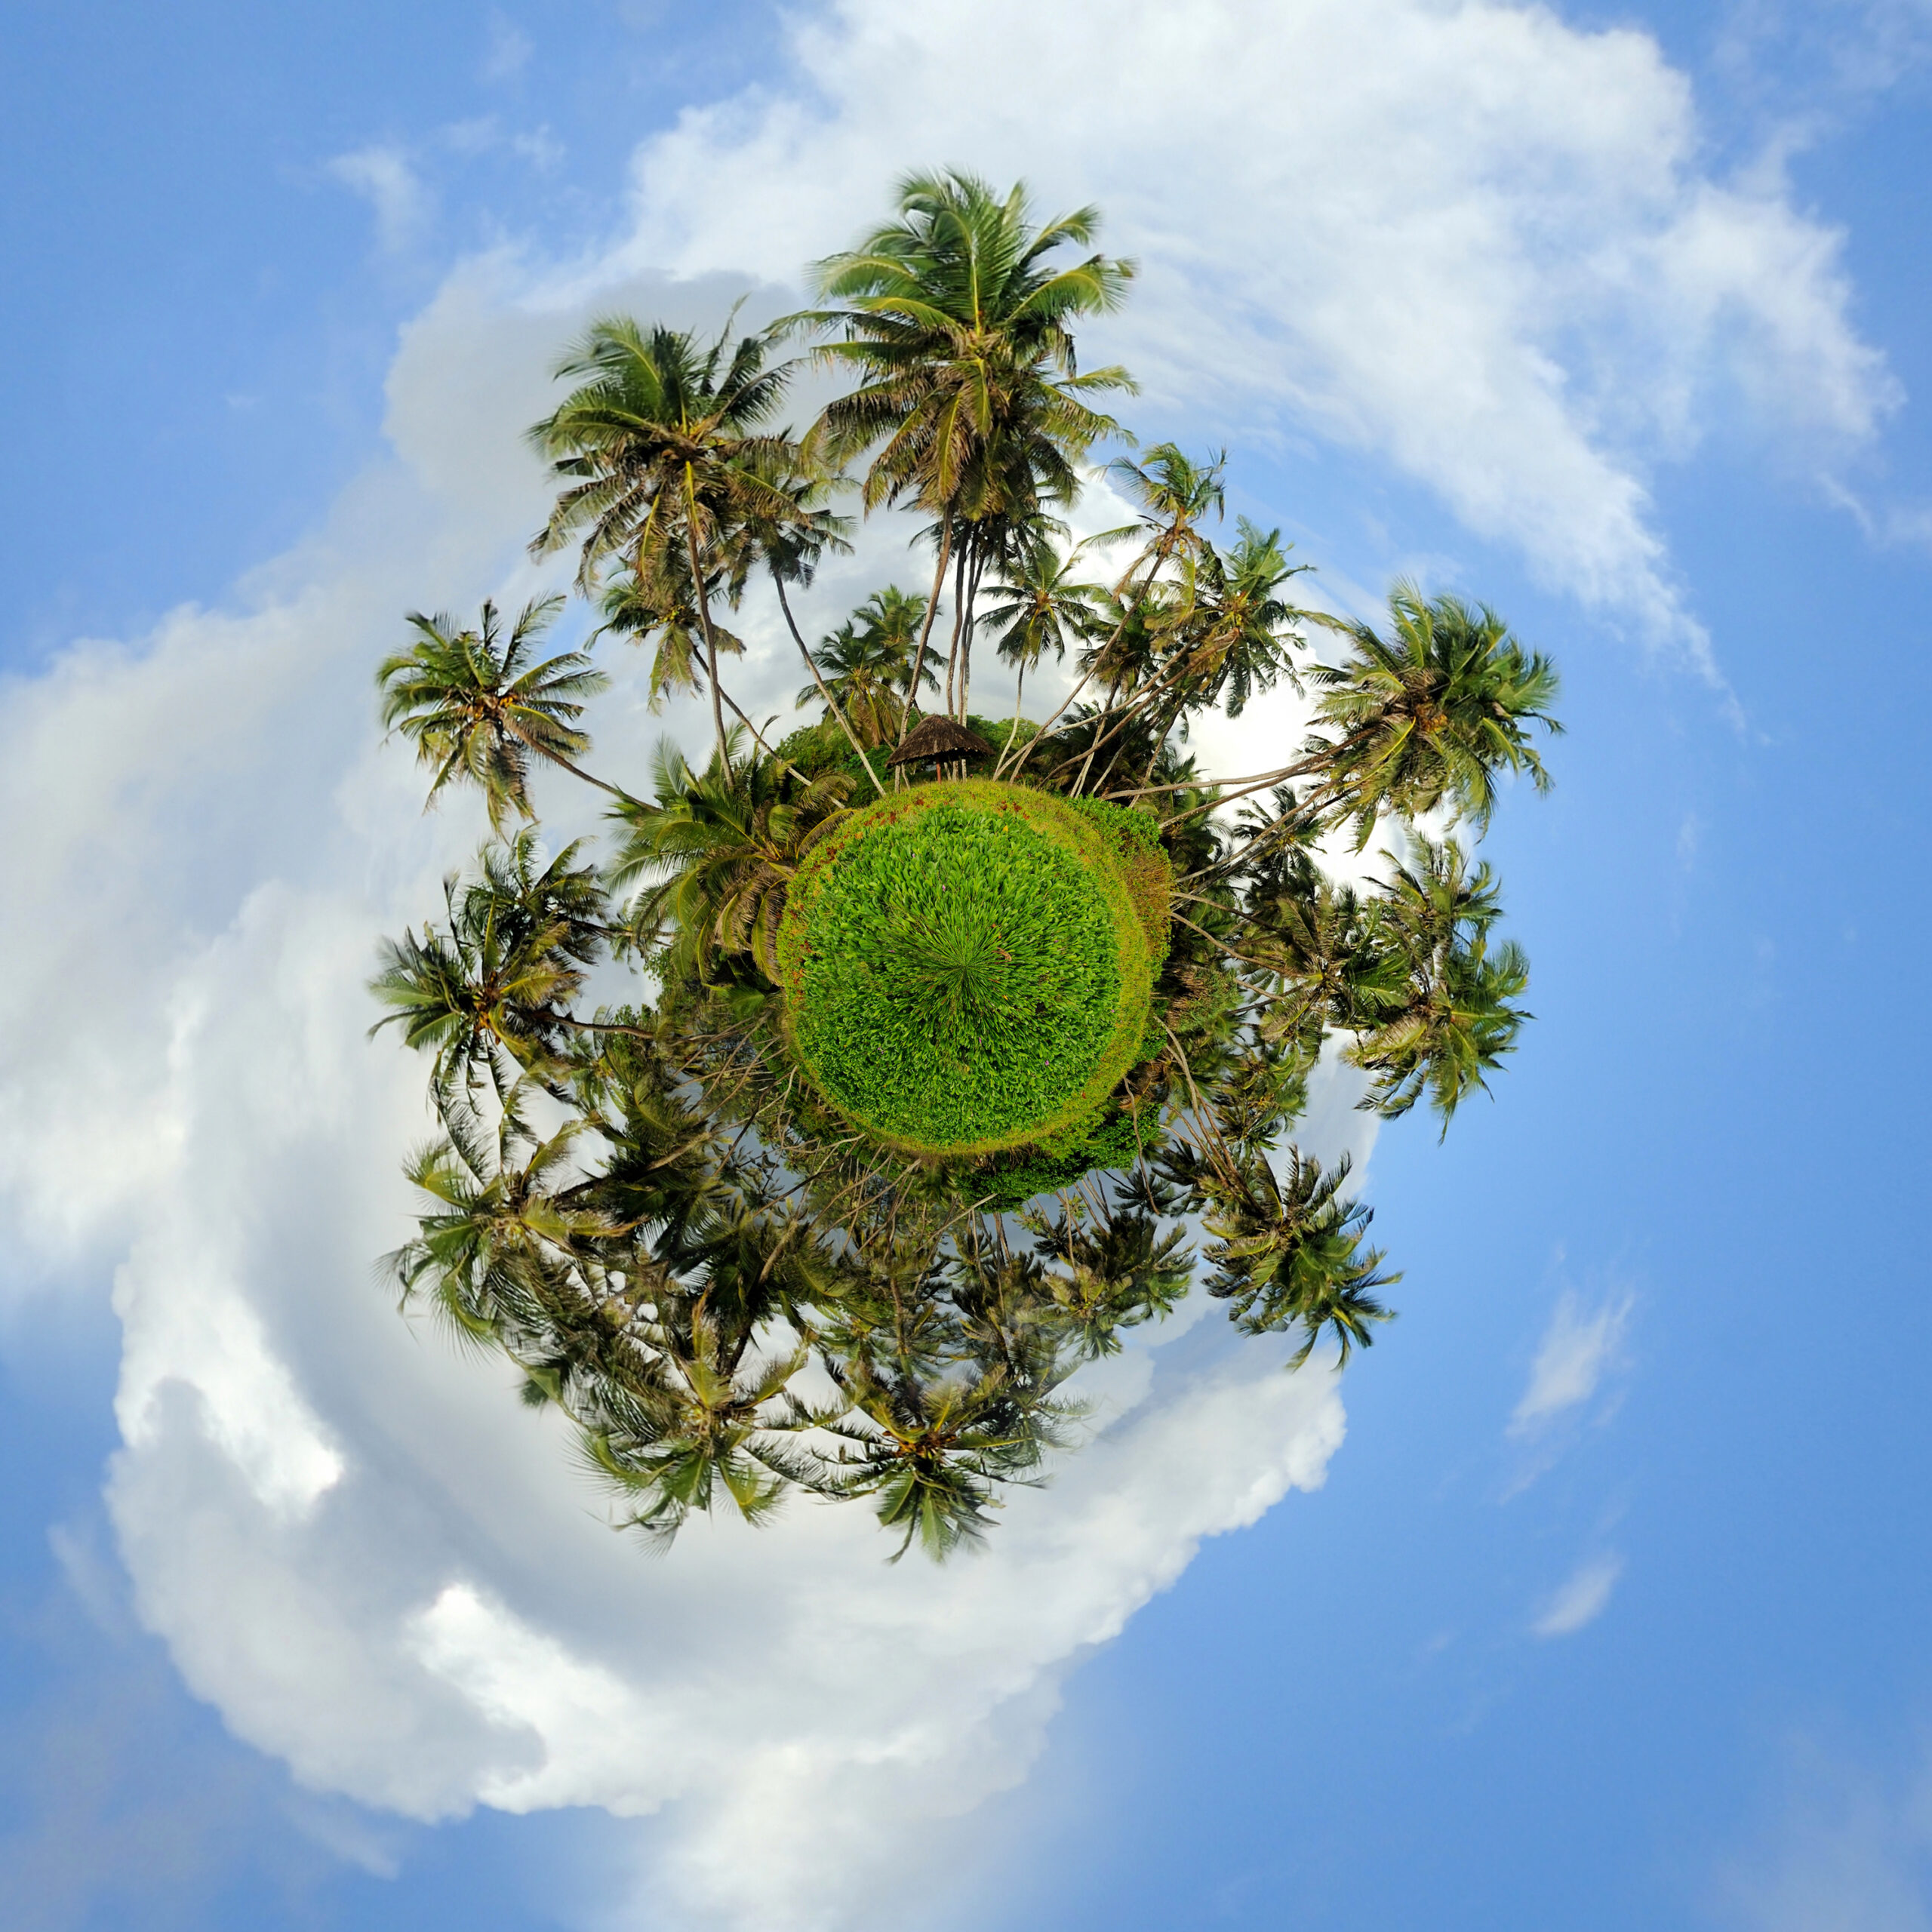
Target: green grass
965,968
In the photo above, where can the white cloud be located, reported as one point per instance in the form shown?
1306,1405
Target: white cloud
1465,239
1580,1600
509,50
383,175
1579,1348
1850,1850
356,1544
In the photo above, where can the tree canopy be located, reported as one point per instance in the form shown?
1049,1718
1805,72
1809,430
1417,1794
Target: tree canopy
923,1089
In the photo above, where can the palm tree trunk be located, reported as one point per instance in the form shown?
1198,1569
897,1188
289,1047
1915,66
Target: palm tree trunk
958,617
704,620
925,628
758,736
831,703
966,636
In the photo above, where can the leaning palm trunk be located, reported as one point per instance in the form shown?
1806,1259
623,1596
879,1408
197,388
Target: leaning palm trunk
704,623
966,634
831,703
925,628
959,620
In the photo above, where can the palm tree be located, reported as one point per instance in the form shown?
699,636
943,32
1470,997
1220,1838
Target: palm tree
1432,713
717,850
1176,495
475,707
490,993
1456,1022
969,397
661,450
1289,1255
1045,608
932,1449
498,1245
1227,636
862,669
696,1426
665,614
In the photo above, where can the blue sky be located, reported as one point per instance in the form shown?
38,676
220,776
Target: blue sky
1608,1610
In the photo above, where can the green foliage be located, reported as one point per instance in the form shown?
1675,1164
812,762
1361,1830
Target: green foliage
962,967
1113,1144
475,707
1290,1255
916,1108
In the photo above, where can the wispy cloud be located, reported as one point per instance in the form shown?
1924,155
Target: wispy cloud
509,50
383,175
1849,1849
1580,1600
1524,298
1579,1347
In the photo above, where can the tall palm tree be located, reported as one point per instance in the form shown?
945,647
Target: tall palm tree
663,455
1042,607
698,1425
1176,495
490,993
969,398
1431,713
717,850
1231,635
665,614
864,667
1287,1254
1455,1022
476,707
932,1449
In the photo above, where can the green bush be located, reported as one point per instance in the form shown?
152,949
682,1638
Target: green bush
963,967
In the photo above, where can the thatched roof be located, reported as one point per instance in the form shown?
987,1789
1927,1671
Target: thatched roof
940,737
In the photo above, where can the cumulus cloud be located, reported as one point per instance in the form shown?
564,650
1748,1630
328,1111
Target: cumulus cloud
1580,1600
1466,240
357,1545
1579,1348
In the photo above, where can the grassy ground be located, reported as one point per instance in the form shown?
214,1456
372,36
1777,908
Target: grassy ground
966,967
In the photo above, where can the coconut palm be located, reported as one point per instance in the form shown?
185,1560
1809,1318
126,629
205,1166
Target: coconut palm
932,1450
1176,495
1456,1022
665,614
489,994
1287,1254
1043,608
476,706
865,664
716,851
663,455
496,1249
694,1426
969,401
1430,715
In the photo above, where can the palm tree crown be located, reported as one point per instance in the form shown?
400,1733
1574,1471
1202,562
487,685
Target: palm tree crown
666,465
475,707
1432,713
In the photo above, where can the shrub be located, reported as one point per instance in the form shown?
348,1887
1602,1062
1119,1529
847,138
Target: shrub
963,967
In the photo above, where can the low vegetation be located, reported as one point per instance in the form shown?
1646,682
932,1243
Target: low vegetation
963,969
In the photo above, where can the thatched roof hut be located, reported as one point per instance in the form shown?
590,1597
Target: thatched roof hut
940,737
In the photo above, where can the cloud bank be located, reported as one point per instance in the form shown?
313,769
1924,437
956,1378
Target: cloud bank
1467,241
